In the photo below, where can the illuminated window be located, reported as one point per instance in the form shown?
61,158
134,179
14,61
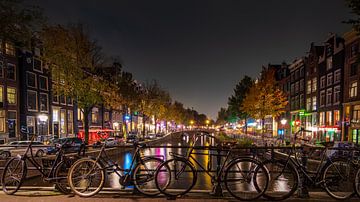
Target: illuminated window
2,120
1,94
353,89
314,84
80,115
11,96
95,115
336,116
308,104
322,118
314,107
308,87
9,49
70,121
329,118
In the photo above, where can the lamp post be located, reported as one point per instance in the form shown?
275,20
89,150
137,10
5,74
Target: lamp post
191,124
283,123
43,119
207,123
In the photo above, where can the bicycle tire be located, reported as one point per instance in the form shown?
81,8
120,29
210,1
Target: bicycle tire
173,166
144,176
81,170
332,178
357,183
17,175
60,174
280,173
260,174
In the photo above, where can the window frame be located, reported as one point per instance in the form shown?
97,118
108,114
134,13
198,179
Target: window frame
7,95
36,101
27,79
7,69
47,83
47,102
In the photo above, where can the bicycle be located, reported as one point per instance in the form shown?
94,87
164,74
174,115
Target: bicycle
237,174
16,168
87,175
332,174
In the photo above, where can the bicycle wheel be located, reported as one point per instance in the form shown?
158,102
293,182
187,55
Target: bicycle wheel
283,181
241,176
338,177
175,177
357,182
86,177
60,174
144,176
13,175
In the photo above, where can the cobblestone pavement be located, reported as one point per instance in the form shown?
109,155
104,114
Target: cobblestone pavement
108,196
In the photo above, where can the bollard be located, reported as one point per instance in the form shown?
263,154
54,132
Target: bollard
217,189
303,191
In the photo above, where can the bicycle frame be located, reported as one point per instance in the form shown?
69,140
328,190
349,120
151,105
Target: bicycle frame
38,167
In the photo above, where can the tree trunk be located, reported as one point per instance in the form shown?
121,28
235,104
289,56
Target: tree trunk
86,126
155,123
246,126
143,126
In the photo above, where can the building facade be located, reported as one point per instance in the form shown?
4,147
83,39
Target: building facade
331,67
9,92
351,131
35,93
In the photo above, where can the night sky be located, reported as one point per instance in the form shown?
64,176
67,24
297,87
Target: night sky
198,50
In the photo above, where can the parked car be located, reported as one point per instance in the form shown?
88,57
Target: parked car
72,144
150,136
131,137
110,142
19,147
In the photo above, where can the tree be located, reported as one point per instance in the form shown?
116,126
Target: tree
222,116
73,58
265,98
236,100
19,21
354,5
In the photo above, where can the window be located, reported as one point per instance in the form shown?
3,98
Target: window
337,76
329,63
353,69
70,121
94,115
1,68
336,94
31,100
37,65
328,96
2,96
329,79
329,121
353,89
62,99
356,113
106,116
80,115
302,72
55,97
308,87
301,101
11,96
11,123
30,122
292,106
69,101
336,117
296,87
296,102
37,52
322,98
31,79
11,72
43,83
292,89
354,49
322,118
44,102
322,82
308,104
2,120
297,74
314,104
9,49
314,84
292,77
302,85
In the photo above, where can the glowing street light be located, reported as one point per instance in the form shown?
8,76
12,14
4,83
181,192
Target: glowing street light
283,121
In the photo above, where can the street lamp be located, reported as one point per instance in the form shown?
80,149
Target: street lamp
207,123
43,119
191,123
